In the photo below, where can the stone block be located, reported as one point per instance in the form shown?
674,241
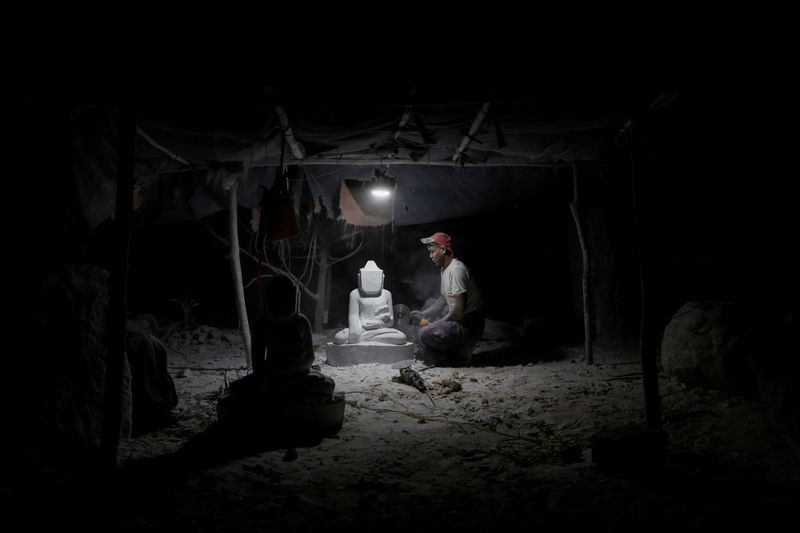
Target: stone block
368,352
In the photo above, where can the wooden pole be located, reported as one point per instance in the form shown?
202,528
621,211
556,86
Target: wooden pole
322,288
236,271
473,129
647,340
297,150
117,289
587,309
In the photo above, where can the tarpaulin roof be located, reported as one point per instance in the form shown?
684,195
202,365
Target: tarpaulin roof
476,149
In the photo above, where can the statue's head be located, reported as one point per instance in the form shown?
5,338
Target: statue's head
282,299
370,279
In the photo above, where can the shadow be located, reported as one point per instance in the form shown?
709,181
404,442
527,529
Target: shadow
222,443
146,490
144,479
513,355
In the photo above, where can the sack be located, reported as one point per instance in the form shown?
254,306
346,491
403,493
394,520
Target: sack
278,217
152,388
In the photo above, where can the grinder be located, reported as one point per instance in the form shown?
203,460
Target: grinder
403,317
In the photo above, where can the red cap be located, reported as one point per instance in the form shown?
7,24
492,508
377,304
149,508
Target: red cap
442,239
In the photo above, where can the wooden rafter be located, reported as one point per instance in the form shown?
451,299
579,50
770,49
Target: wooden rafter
297,149
458,156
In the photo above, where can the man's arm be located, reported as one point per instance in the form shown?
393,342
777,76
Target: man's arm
457,312
435,308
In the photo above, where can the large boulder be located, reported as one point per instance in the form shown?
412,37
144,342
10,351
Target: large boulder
777,374
62,407
709,344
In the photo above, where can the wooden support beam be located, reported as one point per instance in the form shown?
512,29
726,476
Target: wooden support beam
472,131
118,289
586,276
403,122
297,150
236,268
157,146
373,161
648,343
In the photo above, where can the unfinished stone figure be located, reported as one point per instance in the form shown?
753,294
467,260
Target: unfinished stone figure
371,313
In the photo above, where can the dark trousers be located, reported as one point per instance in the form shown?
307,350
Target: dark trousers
448,340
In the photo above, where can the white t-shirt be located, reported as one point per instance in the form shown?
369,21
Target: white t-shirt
456,279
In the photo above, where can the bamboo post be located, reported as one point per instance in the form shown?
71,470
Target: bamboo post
236,271
647,339
117,290
322,289
587,310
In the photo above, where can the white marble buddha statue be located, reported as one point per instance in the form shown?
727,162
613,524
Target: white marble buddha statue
371,313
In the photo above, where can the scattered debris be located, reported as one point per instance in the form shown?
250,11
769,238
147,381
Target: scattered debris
449,385
290,455
411,377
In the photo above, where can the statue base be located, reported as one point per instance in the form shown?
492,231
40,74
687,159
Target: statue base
368,352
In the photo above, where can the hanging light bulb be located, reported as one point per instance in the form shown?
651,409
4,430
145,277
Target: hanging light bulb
382,184
380,191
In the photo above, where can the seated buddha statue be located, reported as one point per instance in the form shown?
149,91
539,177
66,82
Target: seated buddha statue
281,336
371,312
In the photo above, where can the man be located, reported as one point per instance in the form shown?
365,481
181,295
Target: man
452,337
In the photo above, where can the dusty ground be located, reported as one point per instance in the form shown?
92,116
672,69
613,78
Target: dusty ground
509,451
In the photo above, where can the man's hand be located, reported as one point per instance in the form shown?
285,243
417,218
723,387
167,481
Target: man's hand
419,315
